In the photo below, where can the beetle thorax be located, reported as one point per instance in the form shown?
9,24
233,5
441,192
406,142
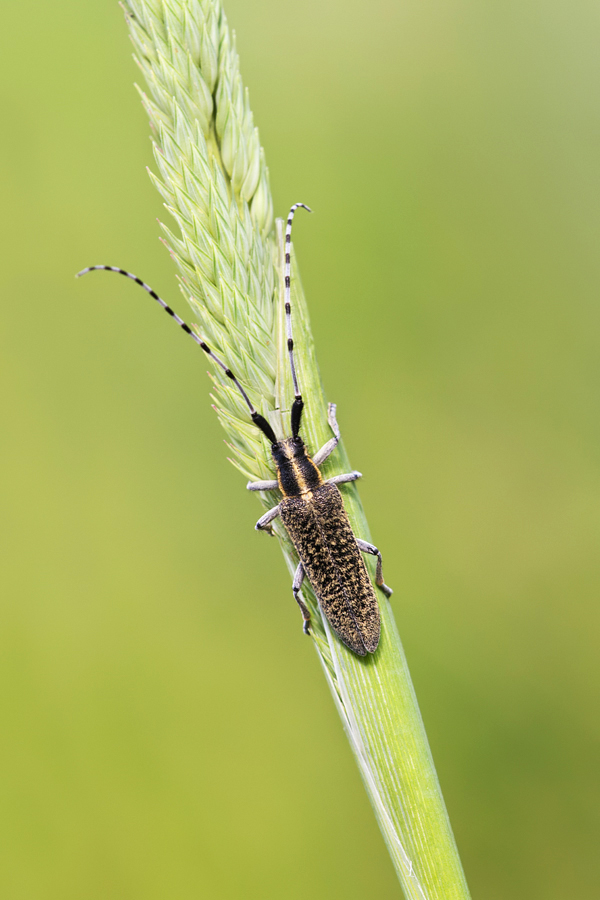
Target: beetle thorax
297,474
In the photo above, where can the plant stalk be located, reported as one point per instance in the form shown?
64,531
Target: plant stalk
213,178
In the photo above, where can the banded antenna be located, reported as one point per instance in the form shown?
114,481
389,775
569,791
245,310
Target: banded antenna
298,404
258,420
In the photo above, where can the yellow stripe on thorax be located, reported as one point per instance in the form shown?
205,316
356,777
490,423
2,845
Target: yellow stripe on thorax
299,476
301,485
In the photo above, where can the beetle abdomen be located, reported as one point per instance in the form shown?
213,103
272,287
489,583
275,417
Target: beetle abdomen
322,535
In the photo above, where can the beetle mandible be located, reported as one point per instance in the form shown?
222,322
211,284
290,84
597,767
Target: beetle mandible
311,510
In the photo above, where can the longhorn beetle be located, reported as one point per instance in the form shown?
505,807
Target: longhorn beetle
311,510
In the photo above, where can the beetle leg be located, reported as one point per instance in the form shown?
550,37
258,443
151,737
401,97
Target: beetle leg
342,479
328,448
262,486
372,549
263,522
296,585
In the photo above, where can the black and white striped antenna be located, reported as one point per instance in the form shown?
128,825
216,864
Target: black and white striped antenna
258,420
298,404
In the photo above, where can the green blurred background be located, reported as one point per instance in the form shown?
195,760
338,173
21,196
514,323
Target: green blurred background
165,728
